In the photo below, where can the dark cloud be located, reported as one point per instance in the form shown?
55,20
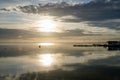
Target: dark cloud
4,9
108,24
14,33
25,34
95,10
79,32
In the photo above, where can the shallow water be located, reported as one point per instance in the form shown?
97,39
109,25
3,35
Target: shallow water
57,60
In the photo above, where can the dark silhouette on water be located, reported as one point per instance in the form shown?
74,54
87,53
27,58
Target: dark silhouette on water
39,46
113,45
110,45
82,72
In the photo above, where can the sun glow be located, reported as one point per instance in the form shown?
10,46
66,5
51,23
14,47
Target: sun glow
46,44
46,60
47,25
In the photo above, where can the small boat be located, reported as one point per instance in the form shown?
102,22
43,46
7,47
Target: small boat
39,46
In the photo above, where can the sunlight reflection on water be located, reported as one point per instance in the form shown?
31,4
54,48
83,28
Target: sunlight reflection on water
54,56
46,44
46,60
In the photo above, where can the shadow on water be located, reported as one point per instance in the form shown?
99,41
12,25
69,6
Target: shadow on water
80,73
86,73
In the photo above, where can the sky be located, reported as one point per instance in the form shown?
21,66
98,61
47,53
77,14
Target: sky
59,20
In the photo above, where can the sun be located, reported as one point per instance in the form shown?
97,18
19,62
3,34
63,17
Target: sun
47,25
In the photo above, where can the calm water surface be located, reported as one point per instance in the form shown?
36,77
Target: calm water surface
57,61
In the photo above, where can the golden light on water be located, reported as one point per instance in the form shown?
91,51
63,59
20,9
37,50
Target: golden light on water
46,60
47,24
46,44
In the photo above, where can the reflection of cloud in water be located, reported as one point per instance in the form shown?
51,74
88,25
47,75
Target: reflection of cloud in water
82,72
110,61
21,59
86,57
53,61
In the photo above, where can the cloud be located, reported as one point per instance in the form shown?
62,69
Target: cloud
26,34
111,24
95,10
4,9
13,33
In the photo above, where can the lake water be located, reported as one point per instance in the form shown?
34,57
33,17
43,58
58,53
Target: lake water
57,61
